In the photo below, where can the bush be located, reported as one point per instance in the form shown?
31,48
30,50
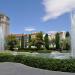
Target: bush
64,65
4,57
30,49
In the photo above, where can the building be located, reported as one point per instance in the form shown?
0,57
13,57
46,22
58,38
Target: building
52,35
62,35
26,38
33,36
4,29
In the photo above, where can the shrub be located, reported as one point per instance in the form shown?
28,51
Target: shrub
64,65
4,57
30,49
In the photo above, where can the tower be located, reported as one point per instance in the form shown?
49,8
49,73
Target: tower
73,34
4,29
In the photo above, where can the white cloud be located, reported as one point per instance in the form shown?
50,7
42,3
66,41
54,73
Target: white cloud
55,8
52,32
29,29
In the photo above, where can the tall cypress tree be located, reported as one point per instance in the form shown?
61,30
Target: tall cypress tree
46,40
22,41
67,34
68,42
29,41
57,40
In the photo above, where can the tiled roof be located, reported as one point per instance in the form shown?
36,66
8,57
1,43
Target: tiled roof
20,34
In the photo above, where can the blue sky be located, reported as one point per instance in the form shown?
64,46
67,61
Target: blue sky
26,17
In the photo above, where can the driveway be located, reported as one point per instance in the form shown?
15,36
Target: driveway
9,68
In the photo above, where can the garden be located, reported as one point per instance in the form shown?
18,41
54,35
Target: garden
43,56
63,65
40,42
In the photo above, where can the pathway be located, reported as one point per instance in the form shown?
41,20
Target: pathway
9,68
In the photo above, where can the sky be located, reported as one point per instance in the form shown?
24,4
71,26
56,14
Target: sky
28,16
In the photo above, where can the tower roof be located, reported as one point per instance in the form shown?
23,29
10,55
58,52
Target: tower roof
2,14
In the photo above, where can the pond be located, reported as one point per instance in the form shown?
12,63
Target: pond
55,54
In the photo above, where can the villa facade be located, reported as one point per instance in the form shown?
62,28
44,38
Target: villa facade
33,35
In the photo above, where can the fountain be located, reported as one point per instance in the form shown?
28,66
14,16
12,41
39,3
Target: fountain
59,55
4,30
73,34
72,51
1,39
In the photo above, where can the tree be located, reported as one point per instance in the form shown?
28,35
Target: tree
29,41
68,43
46,40
63,44
39,40
57,41
39,36
11,42
52,42
22,41
67,34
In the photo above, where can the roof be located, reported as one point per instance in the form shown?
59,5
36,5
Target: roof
2,14
20,35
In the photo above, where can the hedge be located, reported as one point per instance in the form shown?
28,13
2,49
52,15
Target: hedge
64,65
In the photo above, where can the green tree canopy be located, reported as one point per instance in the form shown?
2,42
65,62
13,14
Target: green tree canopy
57,40
39,40
22,41
11,41
68,41
46,40
39,36
30,41
67,34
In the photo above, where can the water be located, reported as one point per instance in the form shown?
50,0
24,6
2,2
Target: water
73,34
55,55
59,55
1,39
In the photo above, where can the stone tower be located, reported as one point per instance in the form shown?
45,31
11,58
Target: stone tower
4,30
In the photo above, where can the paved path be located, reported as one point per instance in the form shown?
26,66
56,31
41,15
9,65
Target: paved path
9,68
